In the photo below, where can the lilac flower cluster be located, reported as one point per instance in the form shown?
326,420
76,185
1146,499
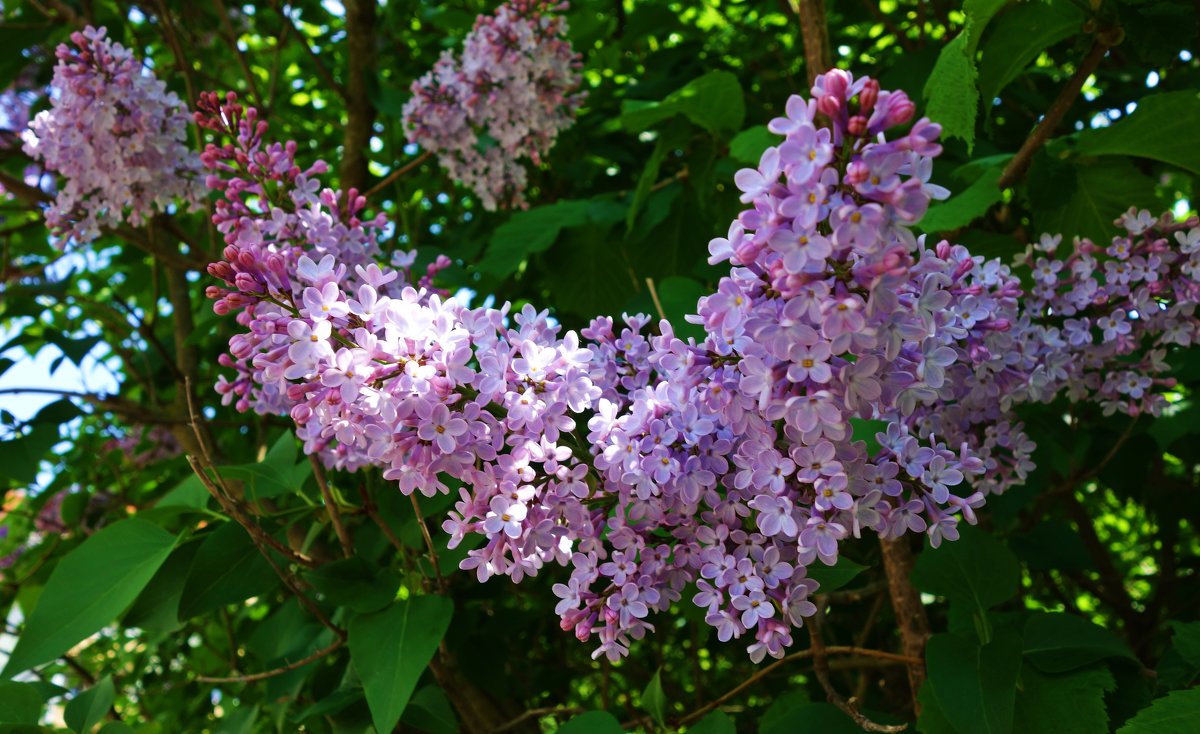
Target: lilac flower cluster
656,467
116,135
505,99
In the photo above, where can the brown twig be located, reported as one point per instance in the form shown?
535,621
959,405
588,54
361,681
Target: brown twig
821,671
360,113
231,40
252,677
433,557
1058,109
397,173
802,655
909,611
531,713
331,507
654,297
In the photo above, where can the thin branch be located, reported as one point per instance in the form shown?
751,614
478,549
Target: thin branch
322,71
821,671
433,557
1016,168
532,713
331,507
802,655
397,173
654,297
231,40
252,677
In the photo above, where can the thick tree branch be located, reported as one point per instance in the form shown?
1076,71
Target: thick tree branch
1016,168
909,611
814,34
360,113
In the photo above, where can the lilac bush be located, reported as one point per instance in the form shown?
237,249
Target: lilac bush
656,467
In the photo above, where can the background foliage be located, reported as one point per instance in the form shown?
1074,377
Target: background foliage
1073,607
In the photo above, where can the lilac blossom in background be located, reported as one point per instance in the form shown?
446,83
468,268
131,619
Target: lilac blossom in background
715,473
116,135
146,445
503,100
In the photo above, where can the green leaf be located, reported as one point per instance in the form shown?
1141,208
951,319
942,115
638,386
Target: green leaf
1053,704
592,722
188,493
975,570
748,145
88,589
430,711
1186,641
238,721
1019,36
1175,713
528,232
1059,642
20,703
932,720
88,708
812,718
227,569
157,608
1087,196
679,297
864,429
951,94
654,701
355,584
717,722
836,576
713,101
966,206
975,685
1161,128
280,472
391,648
21,457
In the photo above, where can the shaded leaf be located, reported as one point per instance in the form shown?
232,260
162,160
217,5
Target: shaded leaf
1162,128
1059,642
748,145
717,722
975,685
713,101
975,570
1175,713
1019,36
227,569
88,589
87,709
812,718
836,576
391,648
965,206
1053,704
653,701
592,722
20,703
